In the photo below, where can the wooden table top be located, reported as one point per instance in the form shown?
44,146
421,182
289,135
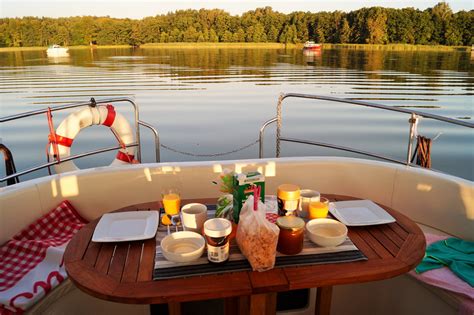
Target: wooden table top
123,272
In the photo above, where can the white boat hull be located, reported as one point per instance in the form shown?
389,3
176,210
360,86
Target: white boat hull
57,52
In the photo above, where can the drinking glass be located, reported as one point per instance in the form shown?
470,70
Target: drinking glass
171,201
318,209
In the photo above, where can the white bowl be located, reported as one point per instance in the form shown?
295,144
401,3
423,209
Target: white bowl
183,246
326,232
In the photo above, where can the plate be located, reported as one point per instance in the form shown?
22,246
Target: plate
126,226
360,213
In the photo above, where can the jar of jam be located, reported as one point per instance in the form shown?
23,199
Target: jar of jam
288,199
291,237
217,233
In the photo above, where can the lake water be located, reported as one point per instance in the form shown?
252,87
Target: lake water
206,101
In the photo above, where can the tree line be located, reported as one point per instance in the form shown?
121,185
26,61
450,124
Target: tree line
375,25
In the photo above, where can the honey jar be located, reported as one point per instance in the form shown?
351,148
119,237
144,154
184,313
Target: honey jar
291,237
288,199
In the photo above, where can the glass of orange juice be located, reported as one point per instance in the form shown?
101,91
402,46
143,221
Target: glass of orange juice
318,209
171,200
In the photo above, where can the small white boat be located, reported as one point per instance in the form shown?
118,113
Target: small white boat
57,51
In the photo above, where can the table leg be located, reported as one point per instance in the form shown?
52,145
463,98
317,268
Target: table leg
236,305
263,304
323,301
174,308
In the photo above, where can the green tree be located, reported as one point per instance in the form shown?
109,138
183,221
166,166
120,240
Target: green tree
272,35
227,37
464,23
200,37
239,36
401,25
376,26
164,37
424,28
289,35
441,15
259,34
213,38
437,25
453,35
345,32
175,35
190,35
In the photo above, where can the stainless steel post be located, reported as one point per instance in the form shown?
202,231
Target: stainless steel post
260,138
413,122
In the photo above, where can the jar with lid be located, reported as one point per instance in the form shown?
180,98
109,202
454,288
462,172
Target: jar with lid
217,233
288,199
291,237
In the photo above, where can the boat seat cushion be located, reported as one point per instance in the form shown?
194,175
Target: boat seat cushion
32,261
446,284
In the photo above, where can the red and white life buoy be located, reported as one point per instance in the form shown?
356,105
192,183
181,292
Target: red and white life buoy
99,115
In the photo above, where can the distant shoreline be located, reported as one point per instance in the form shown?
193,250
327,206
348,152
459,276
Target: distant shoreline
244,45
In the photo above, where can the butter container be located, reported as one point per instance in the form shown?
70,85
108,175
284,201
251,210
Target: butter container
242,188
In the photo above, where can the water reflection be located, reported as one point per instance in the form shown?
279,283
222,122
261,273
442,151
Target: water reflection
214,100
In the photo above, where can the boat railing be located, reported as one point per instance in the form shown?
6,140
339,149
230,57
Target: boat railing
413,121
92,102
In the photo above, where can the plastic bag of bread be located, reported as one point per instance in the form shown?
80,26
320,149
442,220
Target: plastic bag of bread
256,236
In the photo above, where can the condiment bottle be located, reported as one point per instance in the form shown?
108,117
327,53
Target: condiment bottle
217,233
291,237
288,199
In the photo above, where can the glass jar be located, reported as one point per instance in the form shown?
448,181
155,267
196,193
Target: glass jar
288,199
291,237
217,233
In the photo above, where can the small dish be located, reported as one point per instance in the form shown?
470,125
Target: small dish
183,246
326,232
360,213
126,226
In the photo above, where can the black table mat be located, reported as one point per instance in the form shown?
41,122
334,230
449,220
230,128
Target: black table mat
312,254
243,265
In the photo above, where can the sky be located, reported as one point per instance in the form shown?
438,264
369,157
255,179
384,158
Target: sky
140,8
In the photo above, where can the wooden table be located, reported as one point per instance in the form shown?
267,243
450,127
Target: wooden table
122,272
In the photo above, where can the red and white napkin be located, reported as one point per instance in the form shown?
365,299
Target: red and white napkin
31,263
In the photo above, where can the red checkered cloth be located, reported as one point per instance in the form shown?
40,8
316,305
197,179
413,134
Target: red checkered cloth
28,248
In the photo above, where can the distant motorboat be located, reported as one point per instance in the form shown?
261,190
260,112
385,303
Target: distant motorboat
310,45
57,51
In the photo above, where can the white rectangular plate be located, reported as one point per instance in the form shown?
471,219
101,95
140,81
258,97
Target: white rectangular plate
126,226
360,213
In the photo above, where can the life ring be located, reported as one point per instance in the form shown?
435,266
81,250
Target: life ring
98,115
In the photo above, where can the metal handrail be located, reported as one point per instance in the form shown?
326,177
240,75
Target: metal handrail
340,147
92,103
414,115
69,158
157,138
9,164
260,138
